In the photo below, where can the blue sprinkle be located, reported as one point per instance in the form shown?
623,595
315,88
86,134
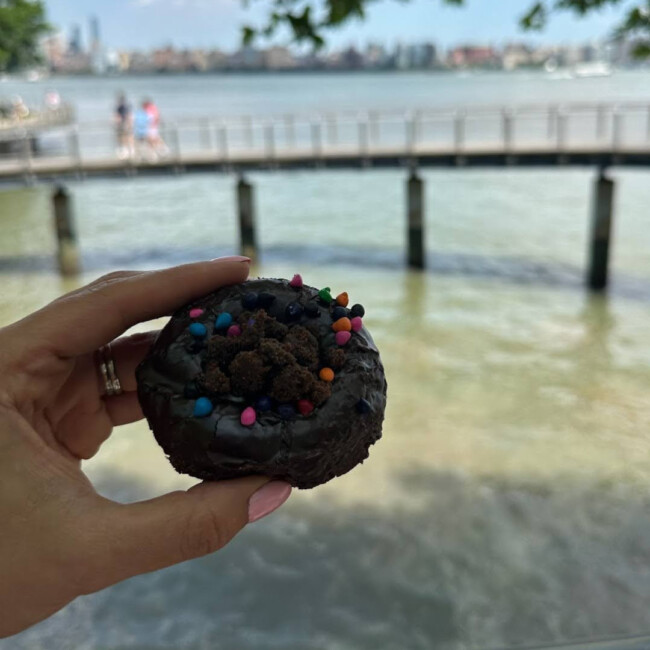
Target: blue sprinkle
363,406
263,404
339,312
286,411
224,321
202,407
251,322
198,329
294,310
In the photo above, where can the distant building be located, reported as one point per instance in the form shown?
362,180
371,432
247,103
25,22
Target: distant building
95,37
516,55
422,56
54,50
473,56
401,57
74,44
279,58
247,58
97,53
376,56
217,60
351,59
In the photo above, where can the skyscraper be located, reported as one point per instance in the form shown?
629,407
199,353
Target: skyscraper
74,44
94,32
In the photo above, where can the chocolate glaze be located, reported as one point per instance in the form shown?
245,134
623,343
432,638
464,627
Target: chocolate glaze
305,451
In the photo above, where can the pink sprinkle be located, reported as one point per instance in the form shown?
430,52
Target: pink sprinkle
357,323
296,281
234,330
342,338
248,416
196,312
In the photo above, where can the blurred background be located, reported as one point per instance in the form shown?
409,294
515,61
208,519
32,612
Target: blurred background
508,502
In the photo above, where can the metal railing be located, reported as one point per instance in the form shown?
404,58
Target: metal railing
457,130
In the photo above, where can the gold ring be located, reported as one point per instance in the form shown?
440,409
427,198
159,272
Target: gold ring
112,384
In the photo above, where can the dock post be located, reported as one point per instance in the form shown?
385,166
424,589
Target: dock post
66,235
601,228
415,223
246,211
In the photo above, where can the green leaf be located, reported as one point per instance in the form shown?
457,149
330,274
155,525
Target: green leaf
535,18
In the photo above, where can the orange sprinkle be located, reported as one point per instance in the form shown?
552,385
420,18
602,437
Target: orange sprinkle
343,299
342,325
326,374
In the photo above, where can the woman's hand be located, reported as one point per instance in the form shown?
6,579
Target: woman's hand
58,538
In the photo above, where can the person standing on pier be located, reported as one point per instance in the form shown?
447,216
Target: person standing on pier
142,131
123,128
156,142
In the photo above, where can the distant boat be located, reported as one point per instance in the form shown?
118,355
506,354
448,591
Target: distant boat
593,69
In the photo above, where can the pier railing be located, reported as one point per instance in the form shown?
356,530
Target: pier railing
599,135
361,134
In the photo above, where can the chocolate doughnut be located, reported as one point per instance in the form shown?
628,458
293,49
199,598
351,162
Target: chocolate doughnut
266,377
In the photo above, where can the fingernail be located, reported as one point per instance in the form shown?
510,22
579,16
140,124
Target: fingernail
232,258
267,499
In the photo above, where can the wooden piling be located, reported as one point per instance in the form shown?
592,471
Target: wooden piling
415,223
246,212
601,228
66,236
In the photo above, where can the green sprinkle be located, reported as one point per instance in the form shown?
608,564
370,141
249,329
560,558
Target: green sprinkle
325,295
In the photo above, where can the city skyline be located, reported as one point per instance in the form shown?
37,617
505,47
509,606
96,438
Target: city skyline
147,24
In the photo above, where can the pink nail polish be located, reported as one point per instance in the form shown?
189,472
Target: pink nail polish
267,499
232,258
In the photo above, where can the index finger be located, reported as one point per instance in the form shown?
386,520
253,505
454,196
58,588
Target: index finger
90,317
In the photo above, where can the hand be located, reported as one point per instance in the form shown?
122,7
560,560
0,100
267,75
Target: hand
58,538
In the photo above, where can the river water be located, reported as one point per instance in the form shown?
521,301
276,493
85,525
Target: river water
509,500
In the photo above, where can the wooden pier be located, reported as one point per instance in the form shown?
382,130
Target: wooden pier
589,135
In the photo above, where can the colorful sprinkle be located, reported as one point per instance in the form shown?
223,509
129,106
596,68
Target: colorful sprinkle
357,310
265,299
196,312
363,406
342,338
342,325
251,322
250,300
248,416
357,323
198,329
339,312
234,330
312,310
202,407
294,310
343,299
305,407
223,321
263,404
326,374
286,411
296,281
325,295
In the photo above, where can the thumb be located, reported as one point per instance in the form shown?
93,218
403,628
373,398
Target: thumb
179,526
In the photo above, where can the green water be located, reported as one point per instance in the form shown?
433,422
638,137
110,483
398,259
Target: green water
508,502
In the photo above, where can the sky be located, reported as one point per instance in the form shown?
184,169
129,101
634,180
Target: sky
144,24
